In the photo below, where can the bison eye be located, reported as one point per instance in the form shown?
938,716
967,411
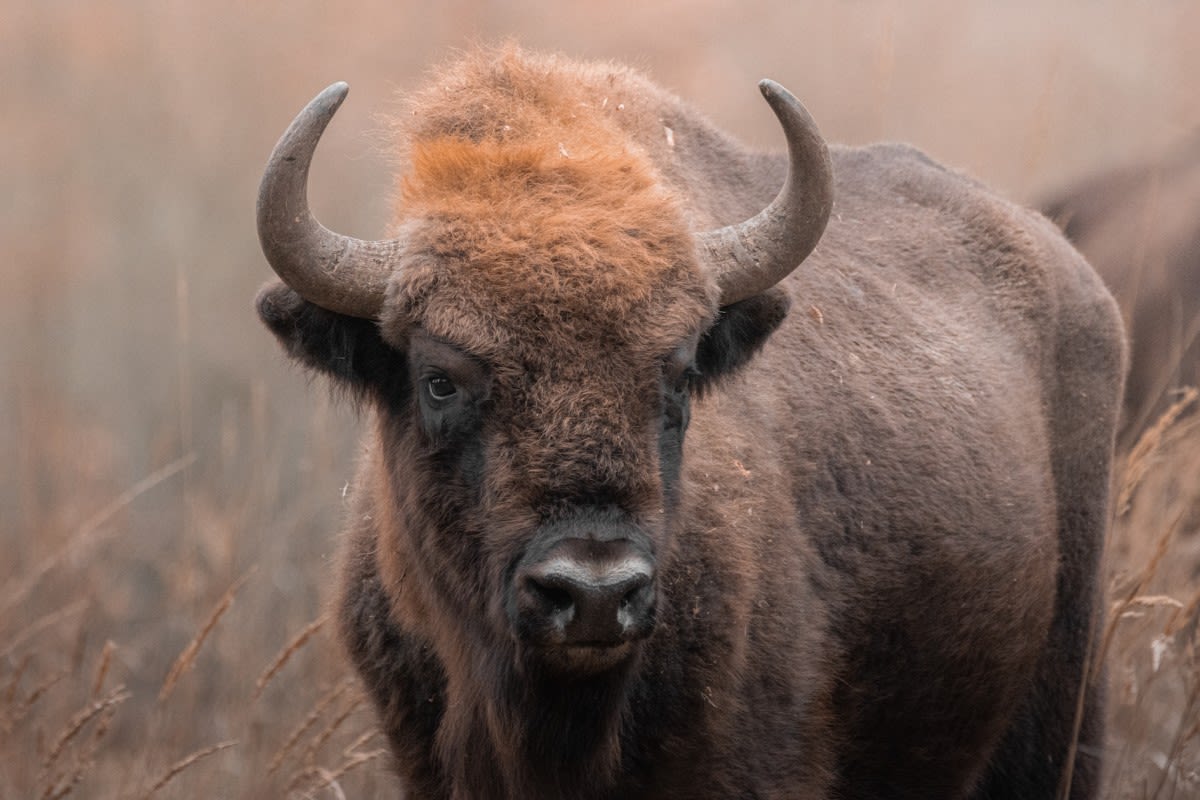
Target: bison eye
440,388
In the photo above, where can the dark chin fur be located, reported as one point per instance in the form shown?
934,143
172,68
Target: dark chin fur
551,734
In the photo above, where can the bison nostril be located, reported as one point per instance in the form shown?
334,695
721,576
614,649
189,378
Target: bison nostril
636,610
554,599
635,594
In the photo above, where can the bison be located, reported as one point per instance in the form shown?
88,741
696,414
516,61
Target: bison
684,485
1139,227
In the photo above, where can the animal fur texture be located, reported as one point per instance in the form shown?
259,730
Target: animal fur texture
874,496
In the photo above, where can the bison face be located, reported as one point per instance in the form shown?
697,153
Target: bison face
532,481
583,457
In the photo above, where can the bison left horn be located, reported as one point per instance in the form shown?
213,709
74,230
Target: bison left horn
336,272
752,256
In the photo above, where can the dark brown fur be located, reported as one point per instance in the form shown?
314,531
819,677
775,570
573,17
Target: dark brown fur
1140,227
877,561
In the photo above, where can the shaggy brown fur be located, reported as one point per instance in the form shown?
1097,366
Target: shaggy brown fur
1140,227
876,548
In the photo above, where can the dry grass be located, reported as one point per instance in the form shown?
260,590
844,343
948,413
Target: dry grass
286,653
159,449
1150,643
185,762
187,658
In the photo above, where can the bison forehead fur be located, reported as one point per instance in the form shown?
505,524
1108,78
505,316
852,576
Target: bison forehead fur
648,511
596,239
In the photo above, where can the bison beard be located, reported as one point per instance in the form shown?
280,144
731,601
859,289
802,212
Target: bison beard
625,527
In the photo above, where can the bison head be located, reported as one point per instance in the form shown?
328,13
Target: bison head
530,340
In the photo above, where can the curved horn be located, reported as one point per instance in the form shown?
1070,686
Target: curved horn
335,272
754,255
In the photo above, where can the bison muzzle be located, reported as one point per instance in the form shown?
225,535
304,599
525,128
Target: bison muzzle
583,592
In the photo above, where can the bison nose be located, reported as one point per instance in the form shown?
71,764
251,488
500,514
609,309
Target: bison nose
564,599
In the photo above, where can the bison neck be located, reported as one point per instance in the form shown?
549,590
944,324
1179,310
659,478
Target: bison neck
512,732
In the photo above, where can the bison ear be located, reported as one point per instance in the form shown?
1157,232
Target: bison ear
348,349
739,332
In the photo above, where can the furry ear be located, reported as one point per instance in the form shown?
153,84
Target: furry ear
348,349
739,332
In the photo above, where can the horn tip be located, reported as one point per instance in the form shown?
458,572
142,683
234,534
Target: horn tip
769,87
784,103
335,92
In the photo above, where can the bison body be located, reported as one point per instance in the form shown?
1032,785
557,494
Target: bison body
634,520
1138,227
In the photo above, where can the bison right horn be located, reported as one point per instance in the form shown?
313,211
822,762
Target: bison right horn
338,273
752,256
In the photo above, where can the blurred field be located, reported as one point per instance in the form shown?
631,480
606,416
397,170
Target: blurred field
172,487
